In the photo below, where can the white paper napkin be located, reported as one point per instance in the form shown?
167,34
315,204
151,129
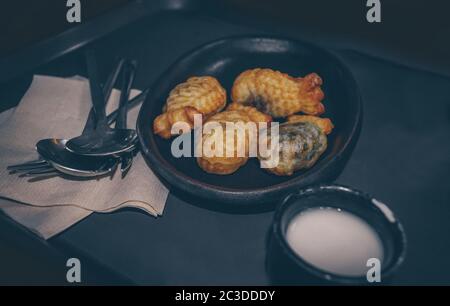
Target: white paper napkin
58,108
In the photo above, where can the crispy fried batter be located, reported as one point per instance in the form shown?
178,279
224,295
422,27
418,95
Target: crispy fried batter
254,114
226,164
279,94
324,124
198,95
163,123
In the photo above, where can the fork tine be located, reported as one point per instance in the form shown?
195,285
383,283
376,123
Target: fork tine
29,163
112,168
39,177
29,167
127,161
48,167
22,170
38,172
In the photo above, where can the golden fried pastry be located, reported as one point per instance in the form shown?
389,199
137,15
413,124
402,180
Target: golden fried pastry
324,124
254,114
239,144
302,140
279,94
198,95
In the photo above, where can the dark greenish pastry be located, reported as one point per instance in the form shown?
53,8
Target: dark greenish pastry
300,146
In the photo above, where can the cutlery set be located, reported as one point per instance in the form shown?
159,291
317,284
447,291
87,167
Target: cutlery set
99,149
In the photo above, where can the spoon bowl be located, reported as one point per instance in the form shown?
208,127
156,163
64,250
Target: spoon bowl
55,152
104,143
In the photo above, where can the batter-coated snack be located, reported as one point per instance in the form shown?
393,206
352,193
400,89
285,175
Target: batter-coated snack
198,95
279,94
222,163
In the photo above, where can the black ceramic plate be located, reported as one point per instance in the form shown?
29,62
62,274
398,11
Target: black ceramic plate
251,186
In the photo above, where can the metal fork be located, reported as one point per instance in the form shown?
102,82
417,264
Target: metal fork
40,164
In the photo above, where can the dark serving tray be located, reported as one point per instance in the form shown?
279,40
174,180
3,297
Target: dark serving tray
252,188
401,158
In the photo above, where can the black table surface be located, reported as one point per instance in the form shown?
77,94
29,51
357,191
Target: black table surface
402,158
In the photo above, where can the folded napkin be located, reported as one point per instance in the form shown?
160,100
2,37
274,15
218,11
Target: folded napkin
58,108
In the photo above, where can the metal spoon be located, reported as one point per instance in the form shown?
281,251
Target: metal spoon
56,154
39,164
103,141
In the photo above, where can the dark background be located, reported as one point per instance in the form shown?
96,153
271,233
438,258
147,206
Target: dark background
412,32
402,157
25,23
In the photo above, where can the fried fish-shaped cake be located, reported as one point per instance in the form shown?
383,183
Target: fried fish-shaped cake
238,145
301,143
198,95
279,94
